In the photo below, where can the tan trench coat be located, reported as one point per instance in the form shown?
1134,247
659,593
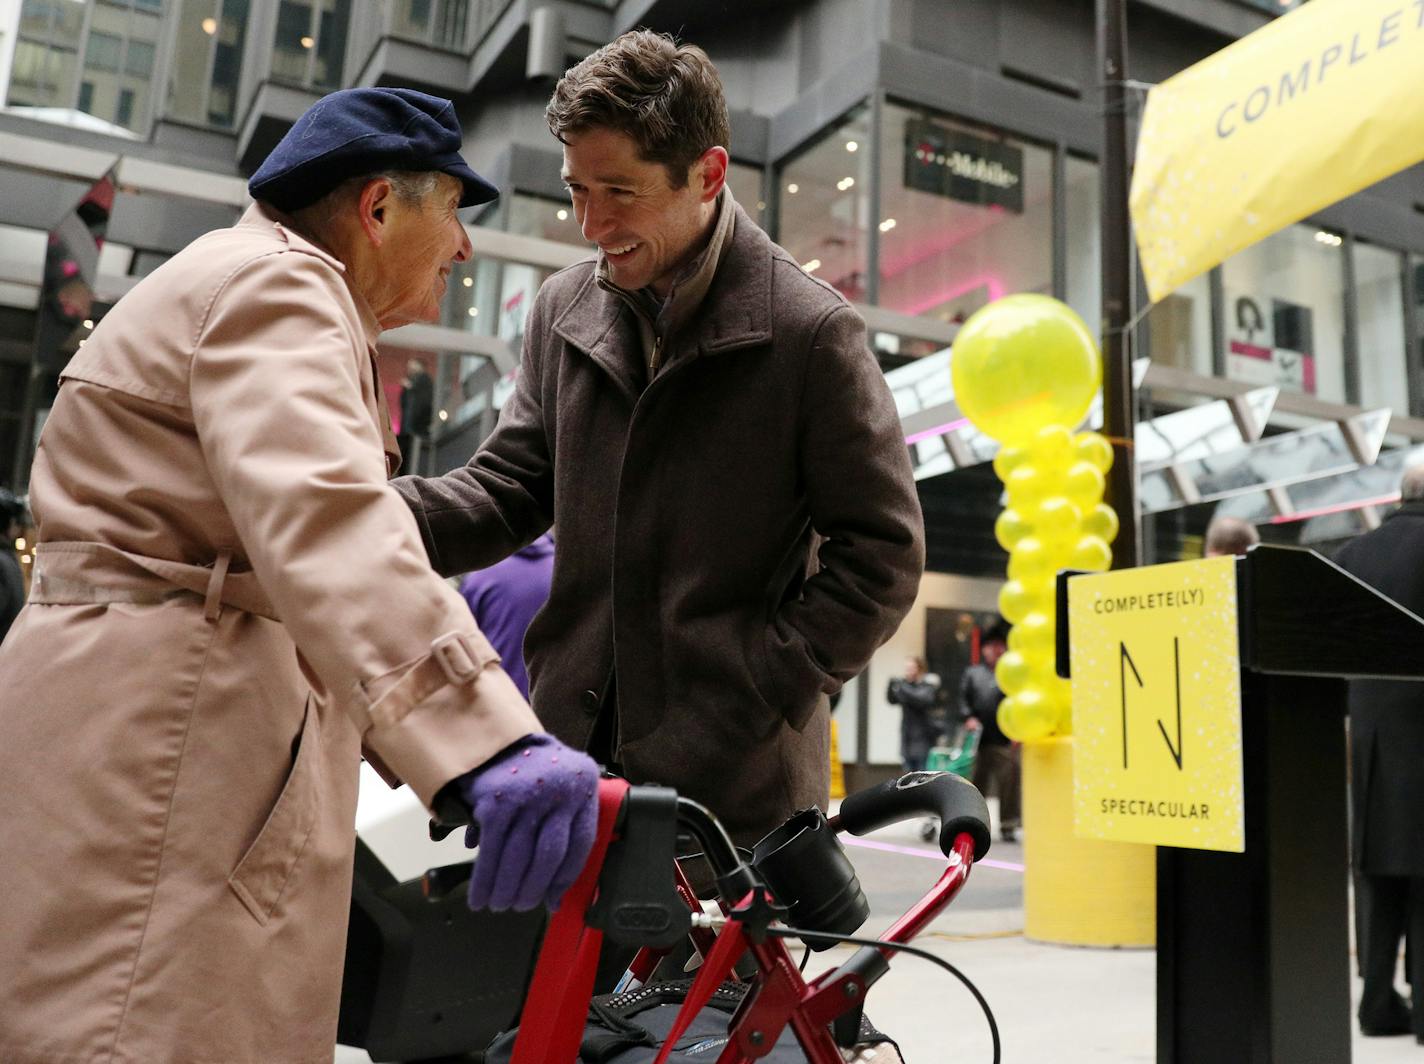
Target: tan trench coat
228,604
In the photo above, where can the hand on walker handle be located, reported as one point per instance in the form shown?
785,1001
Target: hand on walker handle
535,812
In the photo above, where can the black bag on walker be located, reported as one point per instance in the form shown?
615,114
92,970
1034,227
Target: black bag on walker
630,1028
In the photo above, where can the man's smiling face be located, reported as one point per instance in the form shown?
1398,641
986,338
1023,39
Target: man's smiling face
645,228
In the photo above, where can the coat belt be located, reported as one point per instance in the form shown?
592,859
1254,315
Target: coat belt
72,573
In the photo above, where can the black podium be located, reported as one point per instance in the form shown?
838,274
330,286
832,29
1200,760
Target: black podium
1253,961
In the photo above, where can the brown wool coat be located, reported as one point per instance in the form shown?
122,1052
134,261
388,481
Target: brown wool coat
179,751
684,518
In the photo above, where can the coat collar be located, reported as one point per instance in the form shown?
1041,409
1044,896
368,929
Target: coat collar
1413,508
735,313
265,216
668,316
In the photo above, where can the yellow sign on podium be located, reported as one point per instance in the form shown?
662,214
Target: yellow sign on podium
1157,705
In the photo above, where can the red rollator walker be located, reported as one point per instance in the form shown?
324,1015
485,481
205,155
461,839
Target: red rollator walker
797,884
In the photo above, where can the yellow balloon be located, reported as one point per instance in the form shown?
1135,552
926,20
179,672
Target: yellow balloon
1094,448
1044,591
1039,660
1101,521
1007,460
1010,527
1008,716
1031,560
1027,717
1092,553
1036,634
1018,599
1084,485
1051,448
1012,672
1057,520
1057,690
1026,486
1023,362
1014,602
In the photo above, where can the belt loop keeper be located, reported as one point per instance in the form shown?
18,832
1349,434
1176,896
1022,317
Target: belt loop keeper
212,603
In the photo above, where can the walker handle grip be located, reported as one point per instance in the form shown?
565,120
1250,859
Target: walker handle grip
959,806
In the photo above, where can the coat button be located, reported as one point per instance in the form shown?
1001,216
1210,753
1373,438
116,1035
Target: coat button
590,703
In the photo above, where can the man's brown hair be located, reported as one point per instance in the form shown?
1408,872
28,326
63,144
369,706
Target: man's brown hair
666,96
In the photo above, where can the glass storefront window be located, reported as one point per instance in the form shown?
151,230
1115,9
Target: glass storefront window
1379,291
1416,342
1082,207
119,51
292,42
439,22
410,19
197,25
57,20
966,215
103,51
227,62
206,61
145,28
1285,319
309,46
331,43
745,183
823,194
547,218
1179,328
138,60
42,75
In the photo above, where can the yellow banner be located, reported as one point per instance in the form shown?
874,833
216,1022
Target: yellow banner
1157,705
1319,104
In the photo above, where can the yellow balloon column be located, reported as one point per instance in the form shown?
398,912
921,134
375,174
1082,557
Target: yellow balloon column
1025,371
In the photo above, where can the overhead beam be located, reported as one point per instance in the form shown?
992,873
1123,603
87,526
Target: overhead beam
420,337
1173,379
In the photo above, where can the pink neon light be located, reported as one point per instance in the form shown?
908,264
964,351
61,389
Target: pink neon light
987,280
938,430
939,239
1305,515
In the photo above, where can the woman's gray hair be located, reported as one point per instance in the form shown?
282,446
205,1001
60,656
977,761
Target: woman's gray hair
412,186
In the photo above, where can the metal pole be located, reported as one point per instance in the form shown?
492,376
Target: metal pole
1119,415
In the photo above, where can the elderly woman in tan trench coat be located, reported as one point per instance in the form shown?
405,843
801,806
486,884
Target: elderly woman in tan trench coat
229,606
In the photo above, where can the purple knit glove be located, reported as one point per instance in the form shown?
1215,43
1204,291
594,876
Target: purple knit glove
535,811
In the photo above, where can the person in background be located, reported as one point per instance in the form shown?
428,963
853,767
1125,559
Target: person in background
12,578
996,762
1387,781
916,694
1229,535
505,597
229,607
417,408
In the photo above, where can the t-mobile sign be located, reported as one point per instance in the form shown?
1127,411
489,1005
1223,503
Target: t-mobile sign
962,166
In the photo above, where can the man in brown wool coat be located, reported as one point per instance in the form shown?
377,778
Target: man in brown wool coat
704,426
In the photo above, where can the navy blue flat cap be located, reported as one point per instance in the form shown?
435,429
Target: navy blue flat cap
363,131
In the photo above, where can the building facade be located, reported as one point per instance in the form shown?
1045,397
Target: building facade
922,156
